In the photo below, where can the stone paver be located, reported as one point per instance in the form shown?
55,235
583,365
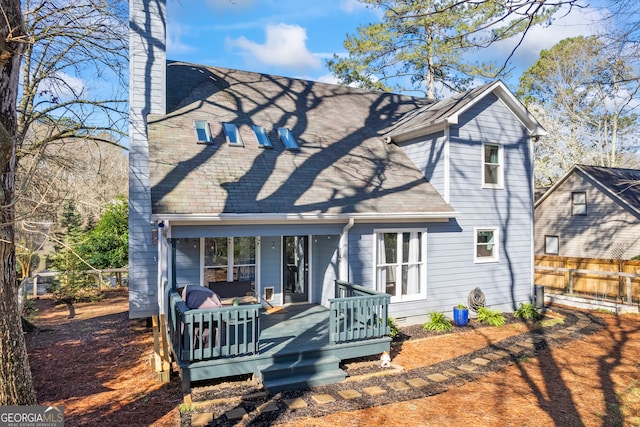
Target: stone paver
481,361
467,368
374,390
295,403
453,372
235,414
417,382
400,386
198,420
437,377
322,399
496,355
525,344
514,349
349,394
268,407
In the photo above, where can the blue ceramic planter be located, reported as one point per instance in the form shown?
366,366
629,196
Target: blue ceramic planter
460,316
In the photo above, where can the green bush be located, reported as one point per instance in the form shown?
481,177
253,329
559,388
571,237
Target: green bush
492,317
527,311
395,331
438,323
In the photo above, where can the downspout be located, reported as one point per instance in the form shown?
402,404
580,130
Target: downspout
343,254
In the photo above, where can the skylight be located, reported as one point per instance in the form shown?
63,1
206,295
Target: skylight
261,136
233,136
203,133
287,139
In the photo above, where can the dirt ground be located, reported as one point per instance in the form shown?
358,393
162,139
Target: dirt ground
97,366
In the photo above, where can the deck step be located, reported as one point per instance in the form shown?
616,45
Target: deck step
291,374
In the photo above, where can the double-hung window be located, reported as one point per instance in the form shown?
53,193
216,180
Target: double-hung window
579,203
229,259
401,269
492,167
486,245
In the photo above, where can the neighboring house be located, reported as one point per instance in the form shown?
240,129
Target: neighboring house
591,212
293,185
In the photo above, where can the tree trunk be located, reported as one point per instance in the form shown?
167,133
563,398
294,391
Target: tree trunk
16,387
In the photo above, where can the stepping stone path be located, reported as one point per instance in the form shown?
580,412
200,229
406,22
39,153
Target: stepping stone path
485,361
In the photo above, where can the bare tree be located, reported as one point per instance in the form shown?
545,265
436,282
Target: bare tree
16,387
73,108
66,54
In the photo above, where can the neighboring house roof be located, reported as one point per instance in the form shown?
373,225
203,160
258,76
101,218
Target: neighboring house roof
342,169
621,184
437,116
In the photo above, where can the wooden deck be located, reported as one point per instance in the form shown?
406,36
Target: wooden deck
295,348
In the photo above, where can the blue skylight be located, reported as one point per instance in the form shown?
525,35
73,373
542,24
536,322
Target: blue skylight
261,136
203,133
233,136
287,139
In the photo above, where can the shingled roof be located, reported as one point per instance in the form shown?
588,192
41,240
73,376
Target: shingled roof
623,183
343,166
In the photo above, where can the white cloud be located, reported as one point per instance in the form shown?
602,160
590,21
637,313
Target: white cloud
351,6
327,78
63,86
579,22
285,45
175,46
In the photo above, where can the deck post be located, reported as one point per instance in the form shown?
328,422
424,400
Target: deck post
160,349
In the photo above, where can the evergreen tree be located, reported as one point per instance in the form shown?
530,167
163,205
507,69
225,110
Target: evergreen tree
421,44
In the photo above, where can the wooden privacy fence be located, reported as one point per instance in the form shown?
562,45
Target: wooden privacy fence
602,278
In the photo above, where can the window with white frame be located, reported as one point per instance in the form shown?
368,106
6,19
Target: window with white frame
261,136
492,168
233,134
551,245
401,269
579,203
229,259
486,244
287,139
203,132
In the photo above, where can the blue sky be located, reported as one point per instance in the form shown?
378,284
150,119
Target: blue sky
293,38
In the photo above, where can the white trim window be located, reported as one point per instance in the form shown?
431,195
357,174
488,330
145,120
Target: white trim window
486,248
578,203
492,166
551,245
203,132
401,263
229,259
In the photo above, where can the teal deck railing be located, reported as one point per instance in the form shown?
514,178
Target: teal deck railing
357,313
201,334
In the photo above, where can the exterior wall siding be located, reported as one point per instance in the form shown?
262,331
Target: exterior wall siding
146,94
451,270
608,230
428,155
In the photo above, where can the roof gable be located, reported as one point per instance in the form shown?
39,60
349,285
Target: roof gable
620,184
439,115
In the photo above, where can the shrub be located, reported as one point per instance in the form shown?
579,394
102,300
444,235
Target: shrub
395,331
438,323
492,317
527,311
461,306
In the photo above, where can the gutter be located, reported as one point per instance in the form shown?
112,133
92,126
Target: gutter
343,252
